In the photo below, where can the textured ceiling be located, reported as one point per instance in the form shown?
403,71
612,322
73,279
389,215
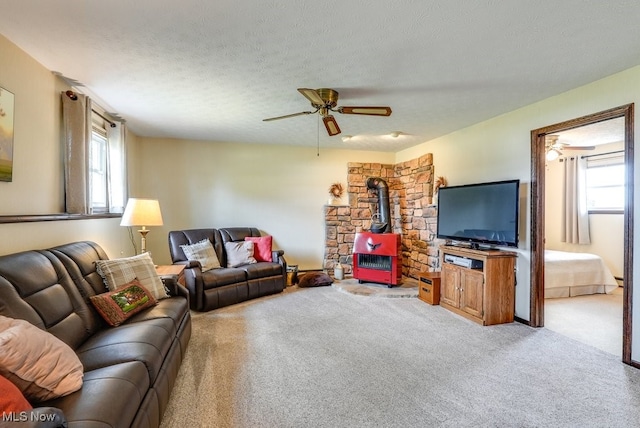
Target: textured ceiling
212,70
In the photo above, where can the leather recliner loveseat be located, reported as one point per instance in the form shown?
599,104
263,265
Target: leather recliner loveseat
225,286
129,370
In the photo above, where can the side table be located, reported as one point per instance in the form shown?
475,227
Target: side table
172,271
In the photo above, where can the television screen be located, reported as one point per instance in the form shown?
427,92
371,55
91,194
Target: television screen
480,214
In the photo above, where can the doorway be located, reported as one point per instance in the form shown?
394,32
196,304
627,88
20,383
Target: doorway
538,168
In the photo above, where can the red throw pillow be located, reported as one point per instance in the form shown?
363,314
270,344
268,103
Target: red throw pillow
11,399
261,247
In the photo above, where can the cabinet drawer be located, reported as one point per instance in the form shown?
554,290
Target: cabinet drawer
429,287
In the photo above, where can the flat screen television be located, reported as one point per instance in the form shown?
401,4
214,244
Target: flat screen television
482,215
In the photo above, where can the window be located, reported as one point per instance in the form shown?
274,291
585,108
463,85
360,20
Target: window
95,162
605,183
106,167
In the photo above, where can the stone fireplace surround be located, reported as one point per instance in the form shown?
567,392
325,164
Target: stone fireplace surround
413,214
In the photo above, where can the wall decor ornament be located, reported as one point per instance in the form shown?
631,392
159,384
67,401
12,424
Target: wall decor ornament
6,134
335,192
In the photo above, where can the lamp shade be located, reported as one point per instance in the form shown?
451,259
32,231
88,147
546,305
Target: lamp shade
142,212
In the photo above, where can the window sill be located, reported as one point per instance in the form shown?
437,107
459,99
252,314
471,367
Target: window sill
52,217
606,211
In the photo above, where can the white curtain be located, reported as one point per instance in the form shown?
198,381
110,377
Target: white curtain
575,221
76,122
117,175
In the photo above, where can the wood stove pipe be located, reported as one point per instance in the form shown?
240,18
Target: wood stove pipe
383,225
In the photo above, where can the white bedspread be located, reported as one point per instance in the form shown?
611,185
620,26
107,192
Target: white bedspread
574,274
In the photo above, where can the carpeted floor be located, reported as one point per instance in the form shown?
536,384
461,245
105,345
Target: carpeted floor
319,357
594,319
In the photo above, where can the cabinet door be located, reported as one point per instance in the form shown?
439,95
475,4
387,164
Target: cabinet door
450,285
472,292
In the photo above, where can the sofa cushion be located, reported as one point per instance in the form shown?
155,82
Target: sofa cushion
219,277
11,399
37,362
147,342
262,270
117,306
110,397
261,247
118,272
239,253
203,253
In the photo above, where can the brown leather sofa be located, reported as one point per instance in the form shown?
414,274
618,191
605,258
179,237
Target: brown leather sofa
226,286
129,370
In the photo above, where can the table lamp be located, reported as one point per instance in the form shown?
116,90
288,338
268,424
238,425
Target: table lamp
142,212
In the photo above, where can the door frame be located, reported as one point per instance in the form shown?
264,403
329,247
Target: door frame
537,231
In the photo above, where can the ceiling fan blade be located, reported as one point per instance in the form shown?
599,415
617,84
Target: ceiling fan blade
578,148
312,95
331,125
371,111
289,115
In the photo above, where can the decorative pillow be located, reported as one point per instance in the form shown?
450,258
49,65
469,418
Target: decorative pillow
11,399
261,247
315,279
118,272
239,253
123,303
202,252
42,366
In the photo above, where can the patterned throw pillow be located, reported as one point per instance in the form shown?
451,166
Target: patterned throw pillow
261,247
42,366
239,253
202,252
118,272
120,305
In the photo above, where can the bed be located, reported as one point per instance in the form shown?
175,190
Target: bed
575,274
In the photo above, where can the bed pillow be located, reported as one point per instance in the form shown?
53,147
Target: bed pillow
261,247
315,279
239,253
203,253
119,305
119,272
42,366
11,399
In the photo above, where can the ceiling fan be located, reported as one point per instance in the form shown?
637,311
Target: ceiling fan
554,148
324,101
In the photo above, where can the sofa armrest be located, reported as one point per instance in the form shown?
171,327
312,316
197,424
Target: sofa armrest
189,263
278,256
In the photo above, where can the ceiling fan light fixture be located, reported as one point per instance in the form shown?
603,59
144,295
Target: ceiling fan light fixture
553,154
396,134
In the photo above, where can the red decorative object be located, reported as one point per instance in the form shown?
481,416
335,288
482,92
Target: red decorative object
377,257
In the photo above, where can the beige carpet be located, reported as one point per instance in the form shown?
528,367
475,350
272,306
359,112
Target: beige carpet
319,358
594,319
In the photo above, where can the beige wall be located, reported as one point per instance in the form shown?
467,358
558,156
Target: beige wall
37,186
280,190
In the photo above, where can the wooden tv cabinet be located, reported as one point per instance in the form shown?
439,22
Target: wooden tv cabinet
484,293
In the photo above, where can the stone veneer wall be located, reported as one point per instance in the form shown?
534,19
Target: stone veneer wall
413,214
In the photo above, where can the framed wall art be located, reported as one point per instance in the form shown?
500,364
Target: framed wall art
6,134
